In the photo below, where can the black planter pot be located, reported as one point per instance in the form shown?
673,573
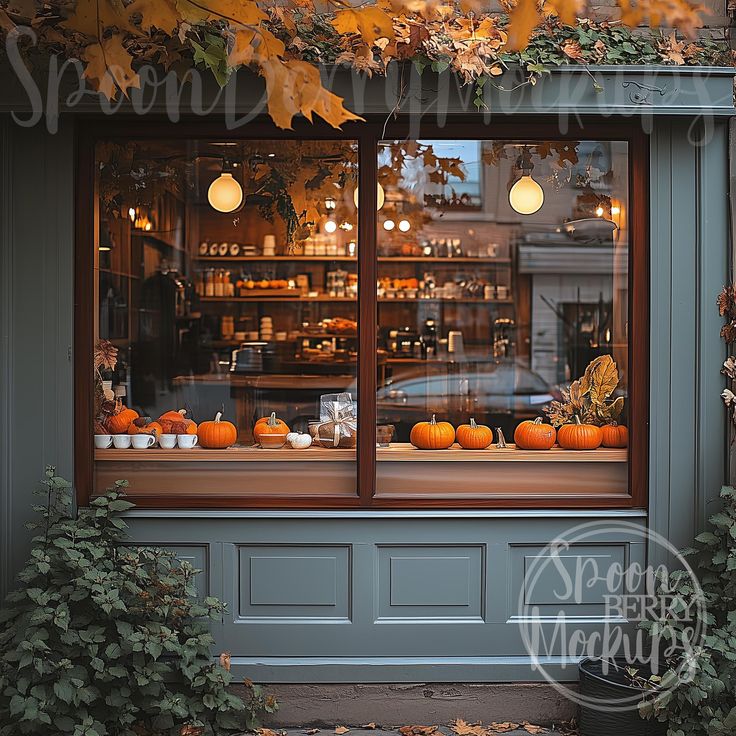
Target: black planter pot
613,685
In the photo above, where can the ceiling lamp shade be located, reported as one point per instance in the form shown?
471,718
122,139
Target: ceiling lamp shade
526,196
225,193
380,196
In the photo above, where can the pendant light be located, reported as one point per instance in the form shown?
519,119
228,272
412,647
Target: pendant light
526,196
380,196
225,193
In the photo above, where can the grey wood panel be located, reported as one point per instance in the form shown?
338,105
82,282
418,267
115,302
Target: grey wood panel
37,276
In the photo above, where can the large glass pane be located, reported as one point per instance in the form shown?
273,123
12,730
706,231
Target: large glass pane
228,283
503,273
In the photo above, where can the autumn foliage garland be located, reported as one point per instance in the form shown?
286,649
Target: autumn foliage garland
284,44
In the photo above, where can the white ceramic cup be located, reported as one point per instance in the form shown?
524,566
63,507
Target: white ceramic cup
167,441
143,441
121,441
103,441
186,441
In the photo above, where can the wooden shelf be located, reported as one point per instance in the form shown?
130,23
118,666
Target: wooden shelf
321,298
276,259
439,259
381,259
402,452
256,300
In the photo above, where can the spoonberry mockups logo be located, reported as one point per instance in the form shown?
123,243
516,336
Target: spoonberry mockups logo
590,598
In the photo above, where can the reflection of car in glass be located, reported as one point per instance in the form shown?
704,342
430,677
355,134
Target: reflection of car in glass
500,394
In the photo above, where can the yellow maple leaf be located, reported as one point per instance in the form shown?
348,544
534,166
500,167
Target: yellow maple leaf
523,18
244,12
109,67
92,17
294,87
161,14
369,21
242,50
268,45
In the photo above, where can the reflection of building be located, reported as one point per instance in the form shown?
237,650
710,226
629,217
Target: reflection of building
572,304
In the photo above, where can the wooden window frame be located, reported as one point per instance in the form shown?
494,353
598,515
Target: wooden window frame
368,135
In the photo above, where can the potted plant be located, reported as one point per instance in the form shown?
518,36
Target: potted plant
107,639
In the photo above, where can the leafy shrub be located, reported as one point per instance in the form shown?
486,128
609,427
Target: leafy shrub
105,639
703,703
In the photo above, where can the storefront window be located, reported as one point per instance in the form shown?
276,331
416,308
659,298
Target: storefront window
503,275
228,284
228,319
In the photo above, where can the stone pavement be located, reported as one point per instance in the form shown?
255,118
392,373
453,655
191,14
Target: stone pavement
503,729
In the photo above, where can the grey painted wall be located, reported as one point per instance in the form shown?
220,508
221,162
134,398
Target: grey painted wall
392,596
36,303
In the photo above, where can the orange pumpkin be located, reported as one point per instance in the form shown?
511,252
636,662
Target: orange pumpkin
144,425
119,423
217,435
474,436
270,425
615,435
579,436
432,435
534,435
170,423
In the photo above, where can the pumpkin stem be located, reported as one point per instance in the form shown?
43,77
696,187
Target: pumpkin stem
272,421
577,420
218,416
501,439
433,420
473,425
538,420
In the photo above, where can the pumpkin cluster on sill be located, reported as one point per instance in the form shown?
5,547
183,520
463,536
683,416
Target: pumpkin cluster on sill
585,419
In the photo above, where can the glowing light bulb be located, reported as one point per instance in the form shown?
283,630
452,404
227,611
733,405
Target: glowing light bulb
615,210
380,196
346,226
131,214
404,226
225,193
526,196
599,211
330,226
389,224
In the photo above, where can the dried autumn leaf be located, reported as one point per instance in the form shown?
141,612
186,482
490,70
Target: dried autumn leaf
726,300
341,730
242,49
225,660
532,728
503,727
679,14
311,731
523,19
611,411
295,87
368,21
604,378
573,50
243,12
161,14
369,726
462,728
419,730
728,332
109,67
729,367
92,17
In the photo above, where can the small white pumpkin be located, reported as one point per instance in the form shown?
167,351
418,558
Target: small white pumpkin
299,441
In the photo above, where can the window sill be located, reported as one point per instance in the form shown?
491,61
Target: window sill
397,452
249,477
